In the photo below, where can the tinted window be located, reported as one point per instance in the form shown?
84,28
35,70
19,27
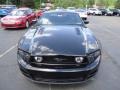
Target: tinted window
60,18
18,13
93,9
29,11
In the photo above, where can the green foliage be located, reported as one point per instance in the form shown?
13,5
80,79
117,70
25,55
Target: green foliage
69,3
117,4
66,3
82,3
15,2
28,3
37,4
90,3
2,1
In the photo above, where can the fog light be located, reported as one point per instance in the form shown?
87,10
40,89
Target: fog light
79,59
38,59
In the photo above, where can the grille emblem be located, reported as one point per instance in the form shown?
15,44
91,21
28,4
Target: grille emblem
59,59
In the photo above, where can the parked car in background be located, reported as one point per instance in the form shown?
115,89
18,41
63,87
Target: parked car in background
116,12
59,8
82,13
109,12
10,8
3,12
6,9
19,18
94,11
59,49
104,11
71,8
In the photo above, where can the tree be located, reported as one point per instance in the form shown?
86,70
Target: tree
100,2
117,4
69,3
15,2
28,3
109,3
2,1
91,3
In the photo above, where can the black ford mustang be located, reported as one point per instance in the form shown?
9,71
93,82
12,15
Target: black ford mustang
59,49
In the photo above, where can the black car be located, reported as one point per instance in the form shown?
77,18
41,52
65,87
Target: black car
104,11
116,12
59,49
109,12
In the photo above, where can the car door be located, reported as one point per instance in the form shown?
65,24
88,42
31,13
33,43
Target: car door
33,16
29,16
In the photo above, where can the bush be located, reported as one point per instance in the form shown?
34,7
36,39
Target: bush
28,3
117,4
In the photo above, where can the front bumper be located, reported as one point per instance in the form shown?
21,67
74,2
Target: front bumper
99,13
59,76
20,25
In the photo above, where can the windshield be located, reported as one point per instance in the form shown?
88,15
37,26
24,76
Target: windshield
60,18
17,13
81,10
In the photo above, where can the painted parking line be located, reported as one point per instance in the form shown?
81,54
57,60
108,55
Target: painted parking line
50,88
7,51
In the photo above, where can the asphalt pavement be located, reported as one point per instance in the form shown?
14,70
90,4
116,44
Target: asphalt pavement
105,28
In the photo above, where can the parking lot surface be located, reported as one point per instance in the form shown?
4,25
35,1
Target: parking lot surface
106,29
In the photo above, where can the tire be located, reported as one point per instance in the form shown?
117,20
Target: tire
105,14
118,15
27,24
94,14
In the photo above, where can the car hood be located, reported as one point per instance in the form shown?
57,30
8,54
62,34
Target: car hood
8,17
62,40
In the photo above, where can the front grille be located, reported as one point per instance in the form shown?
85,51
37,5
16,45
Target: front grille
8,25
58,76
58,62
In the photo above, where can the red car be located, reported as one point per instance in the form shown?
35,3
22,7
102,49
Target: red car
19,18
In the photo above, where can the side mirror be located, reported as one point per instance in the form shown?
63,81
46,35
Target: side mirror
86,22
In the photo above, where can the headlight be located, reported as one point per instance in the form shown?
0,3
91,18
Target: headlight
1,20
92,45
24,55
79,60
38,59
93,56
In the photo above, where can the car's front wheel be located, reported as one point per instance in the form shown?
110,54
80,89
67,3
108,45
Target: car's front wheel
27,24
118,15
94,14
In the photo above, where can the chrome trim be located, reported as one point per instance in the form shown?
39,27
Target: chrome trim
85,40
89,67
57,64
75,55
